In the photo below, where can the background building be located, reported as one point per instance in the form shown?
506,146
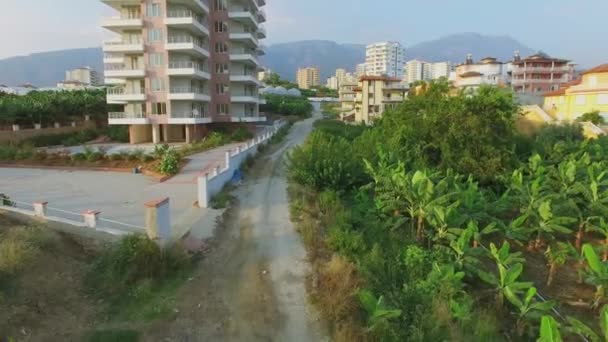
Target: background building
540,73
417,70
384,59
332,83
177,65
441,69
85,76
264,74
308,77
361,70
347,96
472,74
375,94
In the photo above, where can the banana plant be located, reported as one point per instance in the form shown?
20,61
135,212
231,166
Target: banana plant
440,220
466,255
529,310
549,330
602,228
595,196
580,328
557,255
378,313
598,273
543,225
509,271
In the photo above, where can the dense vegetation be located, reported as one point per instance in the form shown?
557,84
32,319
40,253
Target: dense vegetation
48,107
437,223
320,91
287,105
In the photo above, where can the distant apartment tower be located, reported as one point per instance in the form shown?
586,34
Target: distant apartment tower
361,70
178,65
417,70
332,83
385,59
308,77
441,69
84,75
540,73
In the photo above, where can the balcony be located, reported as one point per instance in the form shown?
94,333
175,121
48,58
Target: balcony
201,5
396,86
187,68
261,16
393,99
187,20
189,94
244,55
121,71
189,118
245,98
122,95
124,47
122,118
244,37
242,15
113,59
246,78
527,81
118,24
261,32
187,44
118,4
541,70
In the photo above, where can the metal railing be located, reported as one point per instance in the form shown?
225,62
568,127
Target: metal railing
184,13
188,65
188,90
123,91
112,42
189,115
124,115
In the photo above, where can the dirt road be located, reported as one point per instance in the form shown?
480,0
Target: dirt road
251,287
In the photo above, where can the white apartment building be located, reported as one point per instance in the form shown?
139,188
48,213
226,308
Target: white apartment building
178,65
441,69
385,59
332,83
361,70
489,71
417,70
85,75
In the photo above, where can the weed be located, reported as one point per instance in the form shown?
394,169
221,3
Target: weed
223,199
114,336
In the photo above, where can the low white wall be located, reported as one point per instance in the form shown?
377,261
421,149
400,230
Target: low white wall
211,184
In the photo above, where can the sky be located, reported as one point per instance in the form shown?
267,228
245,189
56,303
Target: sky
574,29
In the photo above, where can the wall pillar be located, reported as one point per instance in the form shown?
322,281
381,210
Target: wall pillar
40,208
57,125
203,195
189,133
73,123
91,217
158,221
156,133
87,118
165,129
37,126
216,171
15,128
227,159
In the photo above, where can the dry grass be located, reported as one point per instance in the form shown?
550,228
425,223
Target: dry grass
337,288
19,246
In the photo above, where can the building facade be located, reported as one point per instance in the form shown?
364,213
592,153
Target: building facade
441,69
178,65
472,75
85,75
361,70
384,59
308,77
375,94
573,99
347,95
332,83
417,70
540,73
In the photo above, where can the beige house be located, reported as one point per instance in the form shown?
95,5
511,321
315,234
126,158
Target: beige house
347,96
374,95
308,77
176,66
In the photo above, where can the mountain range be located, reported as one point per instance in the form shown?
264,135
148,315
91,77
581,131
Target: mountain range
47,68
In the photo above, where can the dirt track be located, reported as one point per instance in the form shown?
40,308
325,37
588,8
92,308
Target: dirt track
251,287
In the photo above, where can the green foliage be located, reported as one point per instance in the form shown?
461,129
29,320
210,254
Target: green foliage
169,162
241,134
287,105
549,330
377,311
114,336
593,117
118,133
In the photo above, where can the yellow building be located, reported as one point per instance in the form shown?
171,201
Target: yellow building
576,98
308,77
375,94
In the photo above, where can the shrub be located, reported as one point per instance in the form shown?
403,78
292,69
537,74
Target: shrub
593,117
241,134
95,156
19,246
118,133
115,157
287,105
169,163
8,152
77,157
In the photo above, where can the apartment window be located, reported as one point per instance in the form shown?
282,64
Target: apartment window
602,99
580,100
221,68
223,108
221,47
156,60
155,36
221,26
159,108
221,88
221,5
158,84
154,10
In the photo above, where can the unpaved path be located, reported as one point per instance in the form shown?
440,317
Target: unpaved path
251,286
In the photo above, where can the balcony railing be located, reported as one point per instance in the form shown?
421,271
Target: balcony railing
190,115
188,65
130,42
123,91
120,67
183,13
123,115
541,69
188,90
186,39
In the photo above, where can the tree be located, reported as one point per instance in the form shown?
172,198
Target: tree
593,117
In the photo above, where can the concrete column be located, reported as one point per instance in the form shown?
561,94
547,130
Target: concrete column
202,193
216,171
228,159
238,149
73,124
165,129
155,133
40,209
37,126
158,221
90,218
15,128
57,125
87,118
189,133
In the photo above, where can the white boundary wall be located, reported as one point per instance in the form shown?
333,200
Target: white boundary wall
211,184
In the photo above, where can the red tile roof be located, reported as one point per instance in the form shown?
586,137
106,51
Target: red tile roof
378,78
471,74
599,68
563,88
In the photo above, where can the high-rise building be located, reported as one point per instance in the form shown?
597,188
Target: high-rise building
332,83
441,69
417,70
385,59
361,70
85,75
177,65
540,73
308,77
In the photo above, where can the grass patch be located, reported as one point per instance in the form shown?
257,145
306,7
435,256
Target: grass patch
223,199
114,336
137,279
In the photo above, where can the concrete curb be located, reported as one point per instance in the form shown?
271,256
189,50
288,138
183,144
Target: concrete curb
151,174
